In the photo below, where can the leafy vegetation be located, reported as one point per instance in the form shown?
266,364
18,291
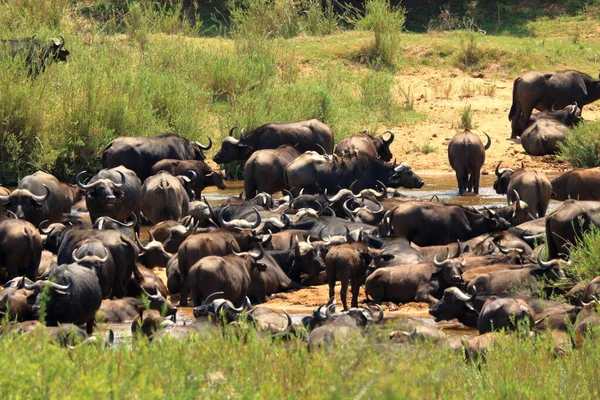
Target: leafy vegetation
585,255
466,119
582,145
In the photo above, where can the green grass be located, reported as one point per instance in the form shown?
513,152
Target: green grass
216,366
582,145
585,255
466,119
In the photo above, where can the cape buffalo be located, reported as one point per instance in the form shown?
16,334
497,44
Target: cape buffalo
115,193
578,184
199,172
37,54
265,169
20,248
164,198
37,198
139,154
566,225
544,135
303,135
74,296
544,91
92,254
505,313
314,173
363,143
533,187
466,154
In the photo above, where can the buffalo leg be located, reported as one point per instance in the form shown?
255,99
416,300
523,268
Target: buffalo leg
331,283
475,177
344,293
185,286
355,290
461,179
515,123
89,326
470,183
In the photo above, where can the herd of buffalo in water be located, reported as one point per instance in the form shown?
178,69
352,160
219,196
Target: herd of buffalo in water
74,250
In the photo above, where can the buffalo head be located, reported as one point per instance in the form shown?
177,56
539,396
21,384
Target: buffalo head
383,145
451,269
232,149
153,254
403,175
502,179
57,49
103,189
199,149
454,304
26,205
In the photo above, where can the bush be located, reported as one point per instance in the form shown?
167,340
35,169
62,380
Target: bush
582,145
585,255
470,55
466,119
386,22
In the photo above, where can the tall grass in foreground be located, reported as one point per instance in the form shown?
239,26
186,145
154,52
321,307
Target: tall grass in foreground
216,366
582,145
585,255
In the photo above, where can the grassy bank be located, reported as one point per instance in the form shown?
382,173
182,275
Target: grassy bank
141,69
213,366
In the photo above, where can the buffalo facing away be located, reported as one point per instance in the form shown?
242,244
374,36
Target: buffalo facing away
466,154
265,169
578,184
363,143
303,135
546,91
139,154
533,187
37,54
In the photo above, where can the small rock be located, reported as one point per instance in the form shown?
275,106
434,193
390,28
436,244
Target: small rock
434,135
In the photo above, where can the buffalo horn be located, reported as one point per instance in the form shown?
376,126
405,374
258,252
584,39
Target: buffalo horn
4,199
41,199
232,130
190,173
120,184
460,295
62,288
440,264
74,256
137,241
390,139
289,321
43,227
498,172
489,141
328,312
203,147
212,296
81,184
458,250
268,239
542,263
380,316
12,214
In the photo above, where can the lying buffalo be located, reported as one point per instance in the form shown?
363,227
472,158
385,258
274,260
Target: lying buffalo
533,187
37,198
37,54
545,91
566,225
115,193
578,184
466,154
265,169
315,173
363,143
303,135
139,154
200,173
548,130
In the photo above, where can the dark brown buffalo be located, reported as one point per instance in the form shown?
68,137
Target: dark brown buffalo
566,225
231,274
505,313
303,135
139,154
36,53
315,173
547,132
127,308
200,173
16,302
217,243
115,193
363,143
427,224
420,282
164,198
533,187
20,249
348,263
48,263
587,324
153,254
74,296
544,91
150,284
37,198
578,184
466,154
265,170
92,254
122,249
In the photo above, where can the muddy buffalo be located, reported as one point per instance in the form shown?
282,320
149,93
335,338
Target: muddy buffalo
548,131
466,154
578,184
20,249
139,154
363,143
303,135
265,169
544,91
533,187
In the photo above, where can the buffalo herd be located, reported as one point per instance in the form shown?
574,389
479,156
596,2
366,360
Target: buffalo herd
311,213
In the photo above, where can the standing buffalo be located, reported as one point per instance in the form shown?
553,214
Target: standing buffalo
92,254
544,91
115,193
199,172
533,187
20,248
164,198
38,197
466,153
36,53
363,143
139,154
548,130
314,173
578,184
303,135
265,170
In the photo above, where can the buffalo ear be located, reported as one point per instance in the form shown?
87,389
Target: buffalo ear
387,257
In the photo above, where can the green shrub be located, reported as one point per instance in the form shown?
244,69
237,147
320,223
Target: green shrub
265,18
386,22
466,119
320,19
470,55
582,145
585,255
